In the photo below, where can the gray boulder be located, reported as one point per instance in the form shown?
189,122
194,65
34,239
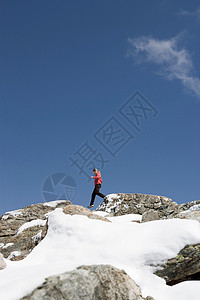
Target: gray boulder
96,282
150,215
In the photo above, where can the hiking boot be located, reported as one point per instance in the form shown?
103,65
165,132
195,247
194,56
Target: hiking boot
90,206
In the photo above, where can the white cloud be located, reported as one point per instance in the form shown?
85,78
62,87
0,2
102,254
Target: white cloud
174,62
195,13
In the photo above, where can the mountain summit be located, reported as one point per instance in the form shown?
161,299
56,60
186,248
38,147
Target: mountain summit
134,246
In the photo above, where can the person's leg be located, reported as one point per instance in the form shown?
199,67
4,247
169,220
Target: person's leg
98,186
93,196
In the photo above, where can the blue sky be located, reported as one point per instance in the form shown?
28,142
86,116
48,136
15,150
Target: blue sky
66,70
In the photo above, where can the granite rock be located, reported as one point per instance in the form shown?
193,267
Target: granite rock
89,282
17,247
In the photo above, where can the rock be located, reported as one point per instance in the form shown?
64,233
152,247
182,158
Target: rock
80,210
143,204
192,213
17,247
2,262
189,205
185,266
88,282
150,215
121,204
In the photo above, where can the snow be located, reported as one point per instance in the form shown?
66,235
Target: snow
190,290
110,198
76,240
37,237
195,207
48,214
126,218
32,223
53,203
7,245
13,213
100,213
13,254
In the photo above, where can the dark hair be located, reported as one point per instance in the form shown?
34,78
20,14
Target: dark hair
95,170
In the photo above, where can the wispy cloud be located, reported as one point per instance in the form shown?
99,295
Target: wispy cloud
174,62
195,14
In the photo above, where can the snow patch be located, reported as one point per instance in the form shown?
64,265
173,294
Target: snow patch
195,207
100,213
110,198
7,245
32,223
115,205
37,237
53,203
13,213
48,214
120,219
14,254
126,218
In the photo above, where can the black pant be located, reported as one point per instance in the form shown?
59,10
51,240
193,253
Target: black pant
96,192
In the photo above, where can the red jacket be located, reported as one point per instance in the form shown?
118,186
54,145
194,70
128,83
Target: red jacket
97,179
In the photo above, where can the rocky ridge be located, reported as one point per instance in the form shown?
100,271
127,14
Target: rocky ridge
16,244
151,207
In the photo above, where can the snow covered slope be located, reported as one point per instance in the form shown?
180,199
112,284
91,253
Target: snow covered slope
76,240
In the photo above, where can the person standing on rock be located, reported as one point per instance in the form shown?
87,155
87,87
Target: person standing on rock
97,185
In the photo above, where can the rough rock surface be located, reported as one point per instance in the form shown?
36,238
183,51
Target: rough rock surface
16,247
150,215
192,213
185,266
2,262
80,210
122,204
88,282
143,204
188,205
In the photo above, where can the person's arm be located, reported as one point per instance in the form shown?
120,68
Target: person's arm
97,176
